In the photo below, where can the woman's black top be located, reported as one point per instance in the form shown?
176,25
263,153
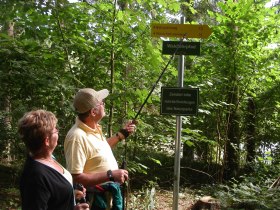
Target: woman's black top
44,188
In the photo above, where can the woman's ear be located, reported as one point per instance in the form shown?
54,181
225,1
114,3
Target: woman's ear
47,141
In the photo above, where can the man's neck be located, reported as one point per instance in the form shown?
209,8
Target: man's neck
90,123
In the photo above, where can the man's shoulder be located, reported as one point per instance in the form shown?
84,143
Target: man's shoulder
75,134
75,131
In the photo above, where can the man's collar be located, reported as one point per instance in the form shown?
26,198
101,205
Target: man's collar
88,129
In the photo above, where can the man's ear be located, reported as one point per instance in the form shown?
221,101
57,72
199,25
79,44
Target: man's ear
92,112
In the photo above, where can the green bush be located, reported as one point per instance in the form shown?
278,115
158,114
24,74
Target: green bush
249,191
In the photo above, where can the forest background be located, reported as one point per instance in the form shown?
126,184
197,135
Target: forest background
230,150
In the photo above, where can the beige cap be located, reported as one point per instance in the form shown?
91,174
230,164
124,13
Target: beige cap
88,98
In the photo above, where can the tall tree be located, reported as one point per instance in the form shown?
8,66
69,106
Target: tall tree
236,53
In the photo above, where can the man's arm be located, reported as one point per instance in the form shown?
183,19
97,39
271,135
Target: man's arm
113,140
123,133
92,179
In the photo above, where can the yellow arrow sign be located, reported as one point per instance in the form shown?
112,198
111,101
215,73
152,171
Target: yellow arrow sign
180,30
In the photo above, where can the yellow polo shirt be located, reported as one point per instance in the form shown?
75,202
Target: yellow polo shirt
86,150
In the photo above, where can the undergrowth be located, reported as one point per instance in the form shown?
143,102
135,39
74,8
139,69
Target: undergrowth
248,192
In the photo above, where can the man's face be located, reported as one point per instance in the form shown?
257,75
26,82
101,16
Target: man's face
100,110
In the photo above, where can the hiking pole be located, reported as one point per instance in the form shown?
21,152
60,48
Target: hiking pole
153,88
134,120
124,166
155,84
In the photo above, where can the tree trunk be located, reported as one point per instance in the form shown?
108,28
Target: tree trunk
112,67
276,183
232,143
231,160
6,107
250,130
188,153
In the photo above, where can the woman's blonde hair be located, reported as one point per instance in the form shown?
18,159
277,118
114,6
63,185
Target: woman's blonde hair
34,127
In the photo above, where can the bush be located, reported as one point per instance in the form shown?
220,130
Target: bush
251,191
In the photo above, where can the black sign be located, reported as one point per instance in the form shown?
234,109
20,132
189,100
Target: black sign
179,101
180,48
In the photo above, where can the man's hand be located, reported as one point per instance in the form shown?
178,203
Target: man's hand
130,126
120,175
81,206
79,193
127,130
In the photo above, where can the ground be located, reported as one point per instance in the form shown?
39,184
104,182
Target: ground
164,200
159,199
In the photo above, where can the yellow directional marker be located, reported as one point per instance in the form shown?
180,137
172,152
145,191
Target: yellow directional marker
180,30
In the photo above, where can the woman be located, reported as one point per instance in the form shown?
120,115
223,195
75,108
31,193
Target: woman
44,183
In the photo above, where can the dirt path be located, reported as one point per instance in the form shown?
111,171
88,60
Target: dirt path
161,200
164,200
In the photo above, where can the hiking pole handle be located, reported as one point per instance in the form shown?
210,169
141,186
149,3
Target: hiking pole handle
124,165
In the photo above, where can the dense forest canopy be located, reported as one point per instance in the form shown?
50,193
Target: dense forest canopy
51,48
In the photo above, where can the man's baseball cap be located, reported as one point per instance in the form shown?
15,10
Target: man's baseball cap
88,98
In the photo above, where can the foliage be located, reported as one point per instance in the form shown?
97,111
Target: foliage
12,198
249,195
250,191
143,199
228,74
49,49
57,48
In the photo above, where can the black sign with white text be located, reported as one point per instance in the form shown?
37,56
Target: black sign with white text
180,48
179,101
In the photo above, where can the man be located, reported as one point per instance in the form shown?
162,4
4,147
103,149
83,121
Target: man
88,154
